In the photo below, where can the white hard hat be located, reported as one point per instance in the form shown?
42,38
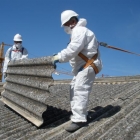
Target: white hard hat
17,37
66,15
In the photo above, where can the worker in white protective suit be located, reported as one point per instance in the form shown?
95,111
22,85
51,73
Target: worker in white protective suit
17,51
83,54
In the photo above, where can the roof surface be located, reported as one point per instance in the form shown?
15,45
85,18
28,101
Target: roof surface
114,112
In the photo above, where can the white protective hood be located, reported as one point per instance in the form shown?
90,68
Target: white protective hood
82,22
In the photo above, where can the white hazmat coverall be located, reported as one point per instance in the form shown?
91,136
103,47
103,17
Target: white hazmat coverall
82,40
14,54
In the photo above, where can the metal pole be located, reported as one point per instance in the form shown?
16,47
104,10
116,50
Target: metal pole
1,60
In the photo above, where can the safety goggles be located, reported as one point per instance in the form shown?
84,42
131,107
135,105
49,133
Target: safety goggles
16,42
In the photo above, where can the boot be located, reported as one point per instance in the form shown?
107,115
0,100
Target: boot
75,126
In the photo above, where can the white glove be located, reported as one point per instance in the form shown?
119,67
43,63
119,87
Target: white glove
55,59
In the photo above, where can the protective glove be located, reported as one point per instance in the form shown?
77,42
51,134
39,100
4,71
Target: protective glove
5,75
81,69
55,59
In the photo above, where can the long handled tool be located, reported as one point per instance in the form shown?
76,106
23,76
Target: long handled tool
115,48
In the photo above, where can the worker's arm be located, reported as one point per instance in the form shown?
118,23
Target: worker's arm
6,60
25,54
75,46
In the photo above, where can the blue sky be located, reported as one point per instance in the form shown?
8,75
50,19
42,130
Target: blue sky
116,22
